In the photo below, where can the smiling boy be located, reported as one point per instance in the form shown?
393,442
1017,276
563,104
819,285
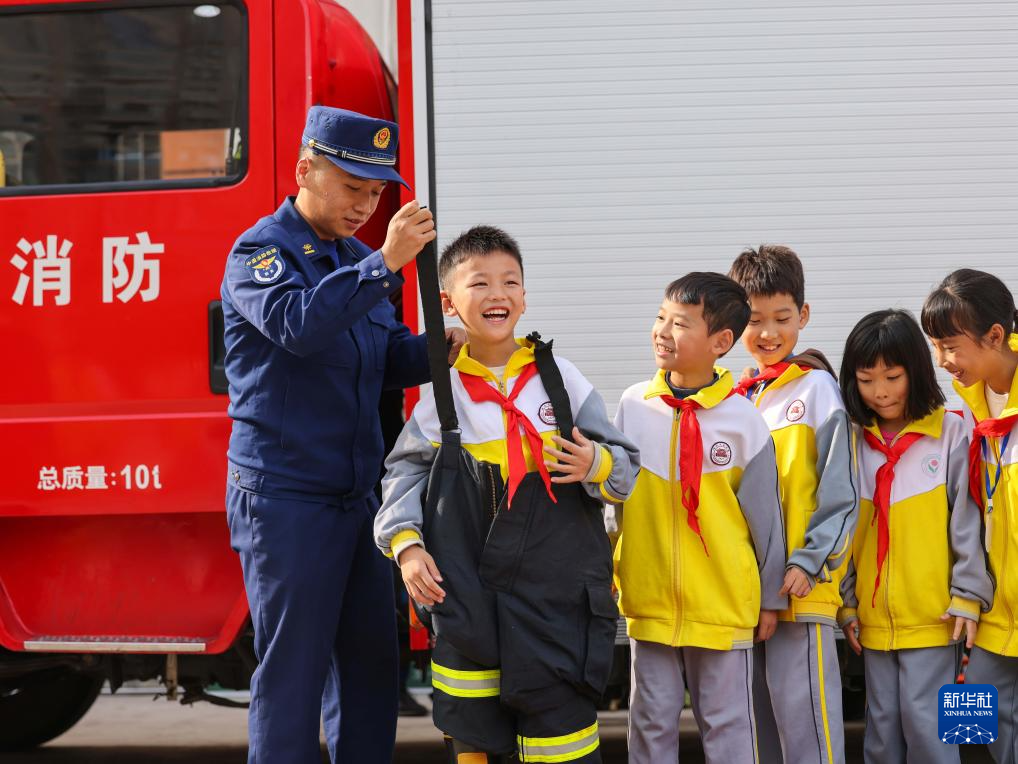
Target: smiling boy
517,574
700,560
799,701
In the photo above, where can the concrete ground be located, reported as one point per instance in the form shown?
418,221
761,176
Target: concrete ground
133,728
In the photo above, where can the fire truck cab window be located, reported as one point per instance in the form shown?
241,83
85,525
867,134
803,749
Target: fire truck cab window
128,97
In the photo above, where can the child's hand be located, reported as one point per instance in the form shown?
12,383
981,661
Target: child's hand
766,626
748,373
797,582
851,630
574,462
421,576
962,623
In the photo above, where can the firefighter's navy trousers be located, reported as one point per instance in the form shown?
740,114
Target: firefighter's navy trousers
525,635
322,607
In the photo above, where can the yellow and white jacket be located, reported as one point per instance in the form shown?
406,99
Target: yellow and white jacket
483,435
812,442
935,562
673,592
997,629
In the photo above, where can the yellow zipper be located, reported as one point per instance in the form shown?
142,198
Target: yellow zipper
1001,486
887,582
674,494
1004,587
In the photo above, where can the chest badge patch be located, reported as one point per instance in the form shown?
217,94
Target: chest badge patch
547,413
266,265
796,411
931,464
721,453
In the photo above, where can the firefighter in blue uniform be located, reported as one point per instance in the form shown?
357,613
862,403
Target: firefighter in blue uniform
311,341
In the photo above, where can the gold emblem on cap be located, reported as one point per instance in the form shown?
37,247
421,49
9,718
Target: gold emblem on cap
382,138
311,143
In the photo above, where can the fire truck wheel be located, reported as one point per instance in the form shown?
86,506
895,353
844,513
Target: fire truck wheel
37,707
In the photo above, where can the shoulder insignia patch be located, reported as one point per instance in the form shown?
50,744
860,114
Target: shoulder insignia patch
266,265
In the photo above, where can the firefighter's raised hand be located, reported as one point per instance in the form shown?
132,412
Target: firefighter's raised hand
851,630
968,625
421,576
574,459
409,230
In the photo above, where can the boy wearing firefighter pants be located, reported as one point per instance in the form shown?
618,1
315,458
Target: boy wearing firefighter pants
700,561
798,681
497,526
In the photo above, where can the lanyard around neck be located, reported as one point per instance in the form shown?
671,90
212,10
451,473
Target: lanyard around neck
992,489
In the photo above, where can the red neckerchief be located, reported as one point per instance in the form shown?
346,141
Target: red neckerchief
988,428
771,372
480,391
882,494
690,459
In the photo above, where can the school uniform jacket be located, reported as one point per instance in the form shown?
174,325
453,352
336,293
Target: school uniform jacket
483,435
998,631
812,442
672,590
934,562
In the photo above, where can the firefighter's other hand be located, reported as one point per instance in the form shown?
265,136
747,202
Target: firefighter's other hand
574,458
455,338
747,373
421,576
851,630
796,582
766,625
968,625
409,230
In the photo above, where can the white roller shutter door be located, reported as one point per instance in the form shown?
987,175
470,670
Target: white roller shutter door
625,144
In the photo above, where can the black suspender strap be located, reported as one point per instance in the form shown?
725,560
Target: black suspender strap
434,325
551,378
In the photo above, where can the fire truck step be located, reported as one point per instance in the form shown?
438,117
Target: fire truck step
117,644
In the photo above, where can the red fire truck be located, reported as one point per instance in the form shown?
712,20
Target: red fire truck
137,138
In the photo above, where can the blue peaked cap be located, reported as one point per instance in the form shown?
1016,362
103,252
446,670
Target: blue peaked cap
363,146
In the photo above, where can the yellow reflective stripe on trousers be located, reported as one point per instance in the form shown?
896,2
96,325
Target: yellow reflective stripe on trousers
823,693
465,684
561,748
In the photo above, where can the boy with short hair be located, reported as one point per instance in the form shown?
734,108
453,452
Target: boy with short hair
506,546
798,680
700,560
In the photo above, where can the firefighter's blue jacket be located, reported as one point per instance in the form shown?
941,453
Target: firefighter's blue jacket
311,341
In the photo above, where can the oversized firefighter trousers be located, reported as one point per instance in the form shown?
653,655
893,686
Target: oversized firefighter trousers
525,635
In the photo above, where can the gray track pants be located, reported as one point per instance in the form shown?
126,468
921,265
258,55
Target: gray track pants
797,693
720,686
902,705
990,668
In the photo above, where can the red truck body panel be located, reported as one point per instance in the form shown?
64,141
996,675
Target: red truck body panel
123,387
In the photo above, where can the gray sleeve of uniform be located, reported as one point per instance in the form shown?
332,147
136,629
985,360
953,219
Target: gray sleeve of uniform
613,473
829,534
406,478
850,603
760,501
971,583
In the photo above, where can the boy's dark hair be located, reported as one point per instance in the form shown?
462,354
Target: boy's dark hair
894,337
725,305
968,302
771,269
479,240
